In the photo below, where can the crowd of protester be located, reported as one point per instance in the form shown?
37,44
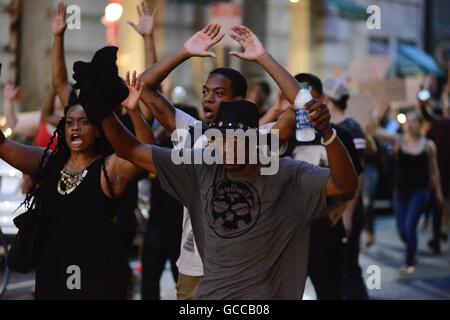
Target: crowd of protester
416,153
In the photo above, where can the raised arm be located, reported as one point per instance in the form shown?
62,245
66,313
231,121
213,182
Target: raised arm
23,124
272,115
343,180
196,46
141,127
22,157
9,93
145,28
127,146
429,116
121,171
48,109
161,108
255,51
59,71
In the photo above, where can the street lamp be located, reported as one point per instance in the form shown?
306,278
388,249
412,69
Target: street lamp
113,12
401,118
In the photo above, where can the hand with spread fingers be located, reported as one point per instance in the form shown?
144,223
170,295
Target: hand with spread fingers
146,22
253,48
199,44
135,87
319,115
59,24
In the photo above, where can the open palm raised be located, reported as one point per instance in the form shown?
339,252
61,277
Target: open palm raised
146,23
59,24
135,87
199,44
253,48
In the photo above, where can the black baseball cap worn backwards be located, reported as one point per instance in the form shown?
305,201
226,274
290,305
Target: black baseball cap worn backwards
237,114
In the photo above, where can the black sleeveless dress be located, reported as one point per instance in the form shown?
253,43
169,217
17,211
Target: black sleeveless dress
80,243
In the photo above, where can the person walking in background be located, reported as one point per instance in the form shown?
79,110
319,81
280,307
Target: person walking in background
326,235
417,174
439,133
370,182
353,286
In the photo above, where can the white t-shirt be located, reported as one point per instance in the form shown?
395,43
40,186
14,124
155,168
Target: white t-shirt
190,263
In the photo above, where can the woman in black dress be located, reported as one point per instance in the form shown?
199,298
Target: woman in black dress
80,256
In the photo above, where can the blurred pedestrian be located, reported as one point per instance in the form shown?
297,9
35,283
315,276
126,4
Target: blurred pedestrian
439,133
417,174
372,168
353,286
326,247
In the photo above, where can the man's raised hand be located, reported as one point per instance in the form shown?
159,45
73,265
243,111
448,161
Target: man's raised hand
253,48
199,44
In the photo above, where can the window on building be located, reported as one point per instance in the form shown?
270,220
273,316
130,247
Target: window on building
379,46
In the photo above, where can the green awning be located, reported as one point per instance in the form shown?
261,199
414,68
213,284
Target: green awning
349,10
412,60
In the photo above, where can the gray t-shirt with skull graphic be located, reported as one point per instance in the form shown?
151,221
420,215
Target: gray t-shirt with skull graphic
252,233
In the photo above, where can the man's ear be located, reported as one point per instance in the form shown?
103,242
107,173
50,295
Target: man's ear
97,132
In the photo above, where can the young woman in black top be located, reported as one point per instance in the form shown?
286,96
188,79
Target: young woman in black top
417,174
80,256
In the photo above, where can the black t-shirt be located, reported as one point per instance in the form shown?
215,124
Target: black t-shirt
315,153
359,138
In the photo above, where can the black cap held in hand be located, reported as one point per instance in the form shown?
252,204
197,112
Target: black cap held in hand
101,88
238,114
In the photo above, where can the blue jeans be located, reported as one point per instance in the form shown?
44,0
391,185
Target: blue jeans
369,190
408,208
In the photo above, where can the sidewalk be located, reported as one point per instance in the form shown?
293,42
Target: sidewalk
431,279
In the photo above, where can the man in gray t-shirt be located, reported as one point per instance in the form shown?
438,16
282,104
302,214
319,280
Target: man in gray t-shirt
252,232
251,229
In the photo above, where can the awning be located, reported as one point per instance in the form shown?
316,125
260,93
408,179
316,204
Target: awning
347,9
412,59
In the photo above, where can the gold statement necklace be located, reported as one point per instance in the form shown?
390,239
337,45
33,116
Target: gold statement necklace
69,181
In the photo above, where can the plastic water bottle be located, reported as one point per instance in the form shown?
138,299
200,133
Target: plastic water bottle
305,131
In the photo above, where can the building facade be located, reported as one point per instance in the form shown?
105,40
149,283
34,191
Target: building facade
306,36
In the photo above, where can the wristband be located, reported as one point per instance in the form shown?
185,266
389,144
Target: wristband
330,141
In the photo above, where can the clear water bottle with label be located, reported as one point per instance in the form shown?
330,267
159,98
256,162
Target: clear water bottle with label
305,131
